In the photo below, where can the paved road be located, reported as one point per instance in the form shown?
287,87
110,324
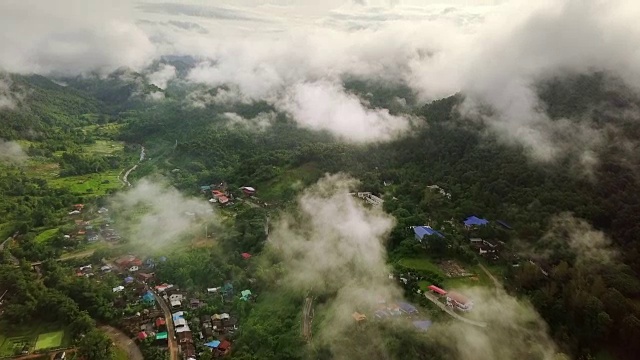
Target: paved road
307,318
173,343
122,341
449,311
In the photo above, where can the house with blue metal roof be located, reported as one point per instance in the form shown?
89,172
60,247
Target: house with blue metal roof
475,221
422,231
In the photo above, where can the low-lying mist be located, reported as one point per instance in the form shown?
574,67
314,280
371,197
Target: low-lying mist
11,152
154,214
332,246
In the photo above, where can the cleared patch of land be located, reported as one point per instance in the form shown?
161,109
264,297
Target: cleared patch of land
50,340
476,276
288,182
46,235
421,264
13,339
104,147
90,184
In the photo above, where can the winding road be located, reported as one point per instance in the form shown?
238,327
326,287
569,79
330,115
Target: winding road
173,343
126,174
449,311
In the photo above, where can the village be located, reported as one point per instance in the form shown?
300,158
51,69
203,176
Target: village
158,314
192,322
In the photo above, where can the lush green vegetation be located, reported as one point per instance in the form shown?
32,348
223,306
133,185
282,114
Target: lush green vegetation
589,307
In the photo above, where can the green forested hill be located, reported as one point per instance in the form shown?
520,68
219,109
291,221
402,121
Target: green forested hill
484,176
588,308
44,107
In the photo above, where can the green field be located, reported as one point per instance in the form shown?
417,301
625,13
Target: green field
104,147
421,264
36,336
90,184
50,340
46,235
479,279
288,182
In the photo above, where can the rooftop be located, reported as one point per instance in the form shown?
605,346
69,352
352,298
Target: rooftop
475,221
422,325
457,297
422,231
358,317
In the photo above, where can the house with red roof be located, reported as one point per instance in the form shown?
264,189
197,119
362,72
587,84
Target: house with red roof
142,335
161,324
225,347
459,301
246,256
437,290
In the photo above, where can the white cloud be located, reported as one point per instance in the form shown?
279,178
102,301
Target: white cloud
11,152
259,123
7,98
326,106
494,52
70,37
155,96
153,214
161,77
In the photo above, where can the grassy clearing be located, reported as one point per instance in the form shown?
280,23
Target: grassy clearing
104,147
90,184
478,279
46,235
50,340
34,336
421,264
288,182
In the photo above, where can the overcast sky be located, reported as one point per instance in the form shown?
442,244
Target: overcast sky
293,53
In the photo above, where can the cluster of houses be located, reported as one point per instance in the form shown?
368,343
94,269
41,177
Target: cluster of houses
452,299
394,310
489,250
84,230
184,335
222,196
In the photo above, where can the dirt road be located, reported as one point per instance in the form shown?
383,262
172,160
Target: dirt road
497,283
449,311
307,317
173,343
125,178
122,341
79,255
